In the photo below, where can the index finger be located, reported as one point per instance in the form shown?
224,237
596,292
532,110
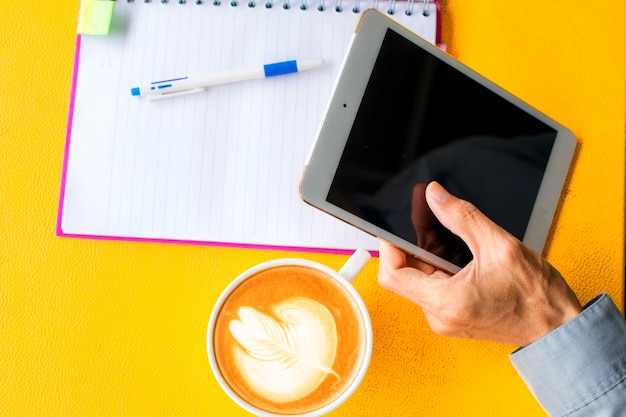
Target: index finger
392,258
398,275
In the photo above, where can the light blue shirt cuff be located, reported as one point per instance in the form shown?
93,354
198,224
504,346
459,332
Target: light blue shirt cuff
579,369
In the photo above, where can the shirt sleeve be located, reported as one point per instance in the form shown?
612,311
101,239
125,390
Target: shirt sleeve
579,369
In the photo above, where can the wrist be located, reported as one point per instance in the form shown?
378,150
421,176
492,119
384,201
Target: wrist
552,317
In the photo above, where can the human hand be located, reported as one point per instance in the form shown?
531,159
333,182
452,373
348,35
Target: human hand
507,293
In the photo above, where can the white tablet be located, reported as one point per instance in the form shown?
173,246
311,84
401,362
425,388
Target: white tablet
404,113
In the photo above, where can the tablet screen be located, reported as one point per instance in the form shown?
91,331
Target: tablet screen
422,120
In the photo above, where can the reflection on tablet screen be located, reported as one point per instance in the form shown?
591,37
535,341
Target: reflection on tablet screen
475,143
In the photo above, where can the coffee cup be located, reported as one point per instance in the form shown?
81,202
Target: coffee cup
291,337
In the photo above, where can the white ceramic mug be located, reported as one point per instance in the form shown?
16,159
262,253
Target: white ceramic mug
281,352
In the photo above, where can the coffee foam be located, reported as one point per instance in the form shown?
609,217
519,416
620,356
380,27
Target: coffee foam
289,339
286,356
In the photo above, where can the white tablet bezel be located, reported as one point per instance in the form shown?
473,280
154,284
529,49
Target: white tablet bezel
340,114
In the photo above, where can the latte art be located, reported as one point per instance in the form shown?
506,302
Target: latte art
289,339
285,357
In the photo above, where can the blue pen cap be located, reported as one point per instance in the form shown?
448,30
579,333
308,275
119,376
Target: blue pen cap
135,91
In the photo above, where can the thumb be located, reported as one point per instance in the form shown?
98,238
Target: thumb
460,217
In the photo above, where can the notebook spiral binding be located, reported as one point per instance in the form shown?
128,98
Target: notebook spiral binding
321,6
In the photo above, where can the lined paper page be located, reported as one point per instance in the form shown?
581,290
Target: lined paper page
218,166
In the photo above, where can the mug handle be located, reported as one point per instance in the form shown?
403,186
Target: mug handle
355,264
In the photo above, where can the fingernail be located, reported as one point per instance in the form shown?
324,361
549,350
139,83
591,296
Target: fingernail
437,192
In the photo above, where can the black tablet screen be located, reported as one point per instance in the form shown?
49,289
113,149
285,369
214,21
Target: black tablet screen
422,120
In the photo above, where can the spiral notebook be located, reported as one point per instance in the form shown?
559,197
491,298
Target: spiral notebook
219,167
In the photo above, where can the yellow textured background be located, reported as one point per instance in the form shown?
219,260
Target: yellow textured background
104,328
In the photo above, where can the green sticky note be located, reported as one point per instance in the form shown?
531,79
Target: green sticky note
94,17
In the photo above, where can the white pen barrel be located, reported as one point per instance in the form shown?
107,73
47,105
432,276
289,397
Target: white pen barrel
226,77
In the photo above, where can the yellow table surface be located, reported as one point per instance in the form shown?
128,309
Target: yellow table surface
107,328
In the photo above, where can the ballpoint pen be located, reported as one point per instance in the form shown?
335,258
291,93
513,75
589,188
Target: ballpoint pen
193,84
